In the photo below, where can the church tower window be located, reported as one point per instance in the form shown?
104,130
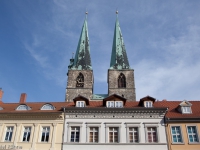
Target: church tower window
80,80
121,81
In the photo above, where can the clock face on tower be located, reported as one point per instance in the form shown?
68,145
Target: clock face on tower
80,80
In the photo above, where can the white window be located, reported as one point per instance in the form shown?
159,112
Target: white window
1,108
80,104
186,109
176,134
110,104
75,134
94,135
47,107
192,134
117,104
23,107
45,134
26,135
152,134
113,135
133,135
148,104
9,132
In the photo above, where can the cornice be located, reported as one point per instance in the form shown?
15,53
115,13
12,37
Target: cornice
32,117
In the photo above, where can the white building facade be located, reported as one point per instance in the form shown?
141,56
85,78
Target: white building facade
98,127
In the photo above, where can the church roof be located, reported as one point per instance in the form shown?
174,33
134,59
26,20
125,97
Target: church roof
82,60
119,59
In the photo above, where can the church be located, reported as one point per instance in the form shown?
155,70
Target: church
113,120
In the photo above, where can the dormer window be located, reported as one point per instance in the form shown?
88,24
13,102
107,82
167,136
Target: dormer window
1,108
47,107
185,107
23,107
148,104
80,104
186,110
117,104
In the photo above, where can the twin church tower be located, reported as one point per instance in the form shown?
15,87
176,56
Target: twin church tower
80,74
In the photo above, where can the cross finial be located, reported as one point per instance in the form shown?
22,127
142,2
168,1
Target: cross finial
72,55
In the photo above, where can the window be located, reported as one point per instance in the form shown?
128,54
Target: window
186,109
117,104
26,135
121,81
1,108
151,134
80,80
93,134
45,134
148,104
113,134
23,107
133,135
192,134
47,107
75,134
9,132
176,134
80,104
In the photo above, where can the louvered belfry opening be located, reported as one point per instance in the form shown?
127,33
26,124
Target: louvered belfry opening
121,81
80,80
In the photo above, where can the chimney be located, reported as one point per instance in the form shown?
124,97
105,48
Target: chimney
1,95
23,98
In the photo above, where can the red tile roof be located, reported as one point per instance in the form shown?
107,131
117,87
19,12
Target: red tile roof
35,107
174,113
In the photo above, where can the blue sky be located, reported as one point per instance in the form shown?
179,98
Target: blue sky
37,39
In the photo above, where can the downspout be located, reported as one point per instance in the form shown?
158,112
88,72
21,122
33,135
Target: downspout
63,129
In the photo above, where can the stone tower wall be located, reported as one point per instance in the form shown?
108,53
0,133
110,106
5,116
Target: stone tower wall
72,91
129,91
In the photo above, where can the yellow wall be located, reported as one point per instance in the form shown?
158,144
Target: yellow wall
55,138
185,145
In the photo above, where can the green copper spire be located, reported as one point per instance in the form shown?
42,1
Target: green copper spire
119,59
82,59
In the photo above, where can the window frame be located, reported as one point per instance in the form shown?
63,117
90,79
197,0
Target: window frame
132,125
186,111
74,124
46,131
181,134
48,105
152,125
94,125
114,104
23,107
9,131
197,134
148,104
26,132
113,124
82,104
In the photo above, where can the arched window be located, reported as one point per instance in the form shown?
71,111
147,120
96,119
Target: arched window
80,80
23,107
47,107
121,81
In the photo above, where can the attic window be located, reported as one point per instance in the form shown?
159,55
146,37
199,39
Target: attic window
80,104
117,104
186,110
23,107
1,108
47,107
148,104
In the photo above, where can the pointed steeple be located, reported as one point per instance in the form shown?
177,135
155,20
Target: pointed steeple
119,59
82,60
